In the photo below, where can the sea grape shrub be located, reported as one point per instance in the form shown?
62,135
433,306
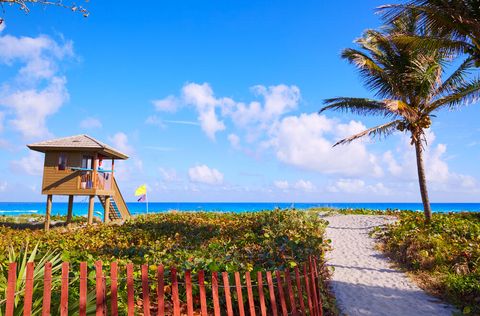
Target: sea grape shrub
447,251
188,240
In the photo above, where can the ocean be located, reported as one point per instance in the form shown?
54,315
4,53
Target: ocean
80,208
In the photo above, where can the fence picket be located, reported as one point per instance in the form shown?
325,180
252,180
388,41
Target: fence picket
64,290
175,296
261,295
291,295
160,291
238,285
281,294
47,289
145,290
314,289
114,288
251,302
130,293
228,297
203,295
83,289
27,303
271,292
100,294
188,290
309,292
318,284
12,280
299,291
216,302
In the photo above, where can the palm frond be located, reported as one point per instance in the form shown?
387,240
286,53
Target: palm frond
457,78
360,106
447,45
373,74
464,94
377,131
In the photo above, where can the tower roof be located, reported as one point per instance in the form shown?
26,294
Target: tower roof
78,143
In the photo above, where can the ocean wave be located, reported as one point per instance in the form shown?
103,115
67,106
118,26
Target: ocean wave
18,211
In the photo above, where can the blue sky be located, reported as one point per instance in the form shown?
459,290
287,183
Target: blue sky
214,101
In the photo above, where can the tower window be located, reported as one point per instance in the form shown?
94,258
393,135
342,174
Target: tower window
62,161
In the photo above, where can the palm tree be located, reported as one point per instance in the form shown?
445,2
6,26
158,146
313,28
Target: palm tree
457,24
409,85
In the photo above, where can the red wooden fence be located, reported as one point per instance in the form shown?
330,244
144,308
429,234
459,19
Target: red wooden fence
280,293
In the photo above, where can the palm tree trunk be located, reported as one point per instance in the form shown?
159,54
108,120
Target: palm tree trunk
422,180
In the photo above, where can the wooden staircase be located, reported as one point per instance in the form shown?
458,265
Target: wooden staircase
118,209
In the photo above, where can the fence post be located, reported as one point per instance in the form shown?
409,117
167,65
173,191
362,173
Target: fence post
47,289
271,292
130,298
251,302
27,303
238,284
114,288
261,295
12,280
203,295
100,294
309,292
291,296
228,297
64,291
216,302
145,290
160,291
83,289
300,291
281,293
188,290
175,297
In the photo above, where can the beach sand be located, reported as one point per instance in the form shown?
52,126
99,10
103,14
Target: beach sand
364,281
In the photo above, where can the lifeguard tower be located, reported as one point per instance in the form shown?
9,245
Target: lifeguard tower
75,166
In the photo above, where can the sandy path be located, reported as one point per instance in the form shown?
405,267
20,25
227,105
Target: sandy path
364,282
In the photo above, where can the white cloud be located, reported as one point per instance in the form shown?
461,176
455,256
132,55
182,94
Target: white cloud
278,100
234,140
358,186
32,107
281,184
305,141
202,98
39,55
90,123
403,165
38,90
205,174
169,175
304,185
120,142
3,184
2,116
32,164
168,104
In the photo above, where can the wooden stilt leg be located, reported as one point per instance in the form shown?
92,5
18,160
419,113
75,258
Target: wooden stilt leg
70,210
91,201
49,211
106,218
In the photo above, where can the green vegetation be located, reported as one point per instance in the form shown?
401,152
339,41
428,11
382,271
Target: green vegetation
213,241
229,242
444,256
